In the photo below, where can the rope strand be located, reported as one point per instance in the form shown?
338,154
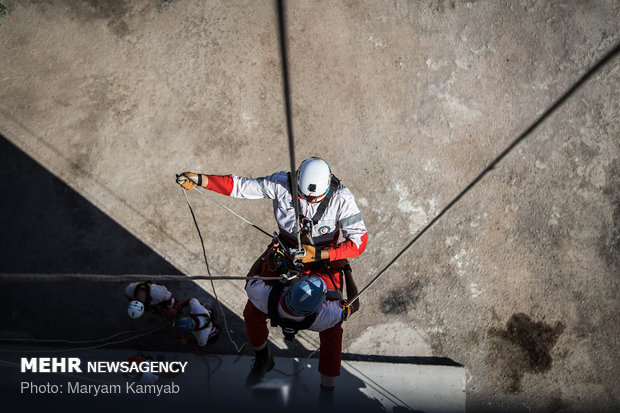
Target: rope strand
203,193
204,253
86,348
496,161
127,277
39,340
289,115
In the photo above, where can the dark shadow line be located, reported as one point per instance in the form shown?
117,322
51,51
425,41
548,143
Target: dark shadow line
419,360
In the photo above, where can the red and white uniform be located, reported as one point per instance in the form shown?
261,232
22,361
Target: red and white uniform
156,294
341,215
195,311
328,323
328,315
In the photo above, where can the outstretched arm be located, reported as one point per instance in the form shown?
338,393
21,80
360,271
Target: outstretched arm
234,186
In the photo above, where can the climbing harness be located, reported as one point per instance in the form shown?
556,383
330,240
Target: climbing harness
306,226
333,294
146,287
207,319
281,259
346,310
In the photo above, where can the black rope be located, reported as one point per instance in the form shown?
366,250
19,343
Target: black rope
204,253
501,156
203,193
262,230
123,278
49,340
289,115
89,347
202,243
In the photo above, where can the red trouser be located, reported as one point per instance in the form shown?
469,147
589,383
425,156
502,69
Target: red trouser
331,339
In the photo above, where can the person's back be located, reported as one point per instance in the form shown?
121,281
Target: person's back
200,322
146,295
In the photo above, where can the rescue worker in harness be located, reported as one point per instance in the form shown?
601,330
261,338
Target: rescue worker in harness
302,304
327,208
149,296
200,322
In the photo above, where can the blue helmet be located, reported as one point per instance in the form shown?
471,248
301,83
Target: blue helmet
306,295
185,324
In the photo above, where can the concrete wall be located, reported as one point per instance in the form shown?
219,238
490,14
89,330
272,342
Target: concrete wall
408,101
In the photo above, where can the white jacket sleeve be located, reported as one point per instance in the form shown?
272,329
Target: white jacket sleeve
268,187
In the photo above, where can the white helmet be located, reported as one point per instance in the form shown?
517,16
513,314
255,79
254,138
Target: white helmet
313,178
135,309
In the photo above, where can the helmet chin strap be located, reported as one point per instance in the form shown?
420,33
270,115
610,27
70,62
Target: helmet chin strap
315,200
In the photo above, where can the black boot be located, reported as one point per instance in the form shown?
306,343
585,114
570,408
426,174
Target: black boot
262,364
326,397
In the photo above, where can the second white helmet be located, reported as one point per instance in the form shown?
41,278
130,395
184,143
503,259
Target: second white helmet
135,309
313,178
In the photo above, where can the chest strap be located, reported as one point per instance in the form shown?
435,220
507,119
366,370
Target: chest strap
207,319
146,286
333,187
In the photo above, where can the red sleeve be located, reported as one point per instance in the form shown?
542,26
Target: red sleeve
222,184
347,249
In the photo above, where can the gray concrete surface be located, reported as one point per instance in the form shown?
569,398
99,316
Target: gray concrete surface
408,101
216,383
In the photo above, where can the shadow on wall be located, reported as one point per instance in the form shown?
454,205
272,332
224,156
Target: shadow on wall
48,229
